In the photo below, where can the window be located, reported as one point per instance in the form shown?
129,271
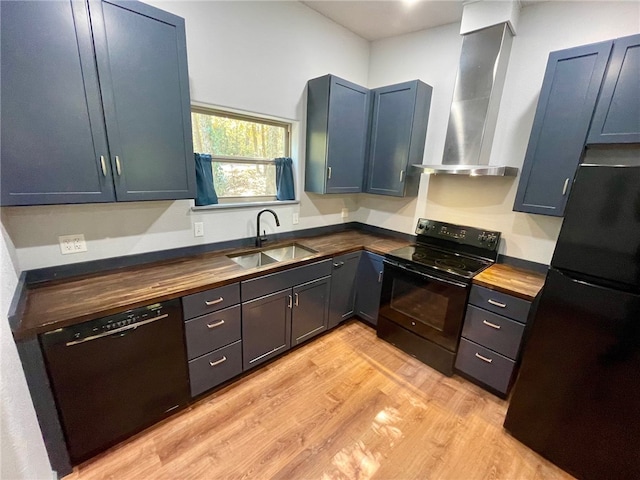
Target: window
243,149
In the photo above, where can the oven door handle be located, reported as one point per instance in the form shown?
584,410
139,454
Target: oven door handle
423,274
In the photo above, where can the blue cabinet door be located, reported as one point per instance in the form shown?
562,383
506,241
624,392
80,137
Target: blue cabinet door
617,115
337,129
398,131
142,64
54,146
343,287
310,310
369,286
565,107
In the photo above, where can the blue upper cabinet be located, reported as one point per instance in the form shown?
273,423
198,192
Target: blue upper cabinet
95,104
617,115
565,107
398,131
337,124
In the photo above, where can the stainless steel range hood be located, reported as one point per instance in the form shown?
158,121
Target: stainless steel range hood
474,109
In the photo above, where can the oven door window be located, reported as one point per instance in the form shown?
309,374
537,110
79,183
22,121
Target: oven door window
432,309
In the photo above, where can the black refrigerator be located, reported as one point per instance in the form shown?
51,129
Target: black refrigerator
577,398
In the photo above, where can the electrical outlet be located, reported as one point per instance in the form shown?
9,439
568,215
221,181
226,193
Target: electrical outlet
295,218
198,229
345,213
72,244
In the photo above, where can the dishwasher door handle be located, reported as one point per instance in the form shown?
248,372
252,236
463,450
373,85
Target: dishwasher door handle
116,330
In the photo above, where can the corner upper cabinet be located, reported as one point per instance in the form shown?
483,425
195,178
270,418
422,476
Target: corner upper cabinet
617,115
565,107
112,122
398,132
337,124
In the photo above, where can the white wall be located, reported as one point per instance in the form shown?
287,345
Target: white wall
251,56
432,56
22,451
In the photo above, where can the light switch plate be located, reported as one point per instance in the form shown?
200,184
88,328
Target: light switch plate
345,213
198,229
295,218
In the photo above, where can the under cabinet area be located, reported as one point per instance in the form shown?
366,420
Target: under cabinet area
95,136
283,309
213,333
492,336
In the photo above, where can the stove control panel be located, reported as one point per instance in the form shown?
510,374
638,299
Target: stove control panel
461,234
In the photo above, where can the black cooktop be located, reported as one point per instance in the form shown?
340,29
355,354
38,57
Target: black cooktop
455,250
449,262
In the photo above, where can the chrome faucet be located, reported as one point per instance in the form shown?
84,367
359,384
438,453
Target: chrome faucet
260,239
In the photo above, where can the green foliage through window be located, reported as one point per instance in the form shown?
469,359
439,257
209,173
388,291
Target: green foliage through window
243,150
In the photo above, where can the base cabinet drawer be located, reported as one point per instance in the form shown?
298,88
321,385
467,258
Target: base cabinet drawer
214,330
485,365
500,303
493,331
214,368
210,300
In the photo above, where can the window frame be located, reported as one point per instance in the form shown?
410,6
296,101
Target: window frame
254,199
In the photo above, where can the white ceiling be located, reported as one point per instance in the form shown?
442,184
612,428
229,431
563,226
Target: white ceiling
375,19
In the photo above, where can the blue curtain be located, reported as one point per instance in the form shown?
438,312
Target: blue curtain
205,191
284,179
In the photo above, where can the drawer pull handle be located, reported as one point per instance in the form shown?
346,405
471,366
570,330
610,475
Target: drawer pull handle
214,302
218,362
484,359
492,325
214,325
497,304
338,265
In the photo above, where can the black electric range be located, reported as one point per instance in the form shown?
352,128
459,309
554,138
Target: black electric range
426,286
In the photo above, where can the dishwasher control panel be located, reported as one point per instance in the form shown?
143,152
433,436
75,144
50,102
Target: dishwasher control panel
112,324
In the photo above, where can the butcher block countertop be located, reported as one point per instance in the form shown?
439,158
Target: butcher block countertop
518,282
66,302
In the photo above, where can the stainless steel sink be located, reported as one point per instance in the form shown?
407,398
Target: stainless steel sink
252,260
289,252
272,255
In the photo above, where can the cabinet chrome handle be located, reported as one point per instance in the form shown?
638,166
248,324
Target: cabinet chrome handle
329,172
213,302
290,302
118,166
380,276
103,164
297,298
338,264
492,325
483,358
218,362
401,175
214,325
497,304
566,185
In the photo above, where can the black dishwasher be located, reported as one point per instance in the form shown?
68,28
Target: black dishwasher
114,376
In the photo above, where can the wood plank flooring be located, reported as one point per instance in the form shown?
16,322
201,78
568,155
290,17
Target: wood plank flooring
345,406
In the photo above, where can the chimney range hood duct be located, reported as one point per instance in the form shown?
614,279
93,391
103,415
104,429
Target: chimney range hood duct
476,100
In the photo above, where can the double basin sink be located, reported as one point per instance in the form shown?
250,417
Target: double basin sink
270,255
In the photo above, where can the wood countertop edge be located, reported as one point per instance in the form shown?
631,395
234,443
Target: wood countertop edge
22,333
530,282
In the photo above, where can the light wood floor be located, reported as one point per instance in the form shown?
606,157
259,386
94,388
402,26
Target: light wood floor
345,406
